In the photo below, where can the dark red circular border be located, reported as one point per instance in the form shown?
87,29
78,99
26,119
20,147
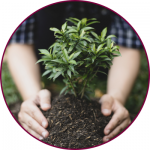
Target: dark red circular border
85,2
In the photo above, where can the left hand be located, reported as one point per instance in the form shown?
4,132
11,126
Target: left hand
120,119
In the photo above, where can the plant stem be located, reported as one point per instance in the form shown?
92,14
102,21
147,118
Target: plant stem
72,87
83,89
82,92
94,73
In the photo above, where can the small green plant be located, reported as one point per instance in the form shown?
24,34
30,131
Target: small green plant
77,55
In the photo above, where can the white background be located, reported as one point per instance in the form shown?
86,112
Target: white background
12,13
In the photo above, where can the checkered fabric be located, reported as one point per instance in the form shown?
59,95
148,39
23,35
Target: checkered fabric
119,27
25,33
126,36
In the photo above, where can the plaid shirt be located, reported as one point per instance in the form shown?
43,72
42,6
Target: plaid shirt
126,36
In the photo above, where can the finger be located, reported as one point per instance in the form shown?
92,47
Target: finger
33,125
32,110
31,131
118,117
106,105
117,130
45,99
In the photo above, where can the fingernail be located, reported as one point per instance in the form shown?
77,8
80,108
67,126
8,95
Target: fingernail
107,132
44,134
107,140
106,111
44,124
46,106
40,138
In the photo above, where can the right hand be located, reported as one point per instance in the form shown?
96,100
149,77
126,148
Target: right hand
30,116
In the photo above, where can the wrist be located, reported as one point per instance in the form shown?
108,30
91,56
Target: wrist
118,96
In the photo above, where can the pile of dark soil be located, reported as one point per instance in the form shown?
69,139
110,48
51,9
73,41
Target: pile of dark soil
75,123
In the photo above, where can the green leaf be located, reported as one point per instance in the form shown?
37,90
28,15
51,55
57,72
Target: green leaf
78,25
88,65
73,62
109,43
63,90
74,22
103,56
58,61
64,26
65,54
43,59
71,56
87,28
106,59
92,19
103,33
93,58
76,55
94,34
44,51
82,33
83,21
85,39
116,47
110,36
93,48
63,46
51,76
46,72
76,19
71,67
71,31
100,47
92,22
71,48
57,75
54,29
69,73
117,53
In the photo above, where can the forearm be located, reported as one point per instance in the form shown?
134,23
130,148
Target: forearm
123,73
26,74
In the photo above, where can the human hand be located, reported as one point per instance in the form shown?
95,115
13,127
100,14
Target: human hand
30,116
120,119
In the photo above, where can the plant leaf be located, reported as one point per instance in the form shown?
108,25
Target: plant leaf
57,75
103,33
85,39
64,26
46,72
63,90
69,73
94,34
44,51
92,22
58,61
116,52
74,22
73,62
83,21
65,54
76,55
109,43
110,36
87,28
54,29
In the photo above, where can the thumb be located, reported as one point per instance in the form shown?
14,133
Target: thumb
106,104
45,99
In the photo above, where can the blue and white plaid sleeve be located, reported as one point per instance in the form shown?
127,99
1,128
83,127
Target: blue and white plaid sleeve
25,34
126,36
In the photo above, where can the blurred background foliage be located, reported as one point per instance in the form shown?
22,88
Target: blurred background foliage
133,104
